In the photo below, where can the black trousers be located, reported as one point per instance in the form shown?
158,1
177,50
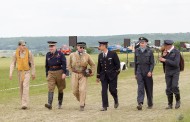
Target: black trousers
172,83
112,85
144,84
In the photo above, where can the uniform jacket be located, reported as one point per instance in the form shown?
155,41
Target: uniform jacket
79,63
109,66
144,61
56,59
172,61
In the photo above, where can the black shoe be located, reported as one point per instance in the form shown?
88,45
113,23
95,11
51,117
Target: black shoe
104,109
59,106
48,106
81,108
24,108
139,107
116,105
169,107
149,107
177,105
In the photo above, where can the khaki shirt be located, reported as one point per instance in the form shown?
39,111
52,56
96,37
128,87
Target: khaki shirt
14,60
78,62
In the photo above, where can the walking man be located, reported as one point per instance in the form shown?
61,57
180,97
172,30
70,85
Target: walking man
77,65
25,63
171,62
55,73
144,65
107,72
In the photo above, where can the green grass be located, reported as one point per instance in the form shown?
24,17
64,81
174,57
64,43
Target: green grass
8,97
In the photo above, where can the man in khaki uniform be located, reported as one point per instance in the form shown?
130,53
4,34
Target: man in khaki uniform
25,62
77,65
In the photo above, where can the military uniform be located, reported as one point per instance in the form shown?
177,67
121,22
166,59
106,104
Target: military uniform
144,63
107,71
24,69
55,68
77,64
172,72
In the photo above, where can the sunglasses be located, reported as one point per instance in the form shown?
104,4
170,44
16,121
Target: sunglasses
81,47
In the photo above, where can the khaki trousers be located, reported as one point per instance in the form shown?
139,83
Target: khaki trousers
79,87
24,81
55,79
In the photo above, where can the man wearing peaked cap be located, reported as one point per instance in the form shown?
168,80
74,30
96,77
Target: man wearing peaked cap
107,72
55,73
77,64
144,65
171,61
143,39
168,42
52,43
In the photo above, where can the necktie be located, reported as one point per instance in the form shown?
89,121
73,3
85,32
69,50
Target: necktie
104,55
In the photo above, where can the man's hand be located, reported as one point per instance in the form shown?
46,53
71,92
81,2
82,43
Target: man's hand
136,77
149,74
165,53
162,59
63,76
10,77
97,80
33,77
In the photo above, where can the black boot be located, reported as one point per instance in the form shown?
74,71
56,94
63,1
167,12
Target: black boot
139,107
170,102
50,100
116,103
177,97
60,100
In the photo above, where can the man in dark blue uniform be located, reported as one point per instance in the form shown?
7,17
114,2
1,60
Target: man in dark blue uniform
107,72
171,62
55,73
144,65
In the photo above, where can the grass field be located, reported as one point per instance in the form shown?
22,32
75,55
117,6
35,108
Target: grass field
127,87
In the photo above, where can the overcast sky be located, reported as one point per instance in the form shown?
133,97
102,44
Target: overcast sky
92,17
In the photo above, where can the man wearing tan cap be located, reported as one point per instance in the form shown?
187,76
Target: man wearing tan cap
25,63
77,65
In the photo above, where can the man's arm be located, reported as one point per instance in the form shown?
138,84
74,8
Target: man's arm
31,60
99,68
69,63
46,65
12,65
116,62
135,61
151,62
92,64
64,63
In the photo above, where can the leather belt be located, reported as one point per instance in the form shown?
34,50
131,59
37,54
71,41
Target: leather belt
54,67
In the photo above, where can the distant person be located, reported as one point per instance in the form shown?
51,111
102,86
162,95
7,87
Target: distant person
25,63
144,65
171,62
107,72
55,73
77,64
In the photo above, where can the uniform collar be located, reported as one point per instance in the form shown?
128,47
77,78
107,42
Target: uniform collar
53,53
106,52
170,49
